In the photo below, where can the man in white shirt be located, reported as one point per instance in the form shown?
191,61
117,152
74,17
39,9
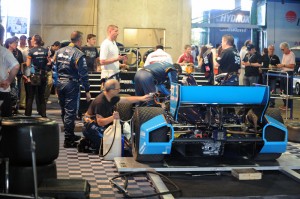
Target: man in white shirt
109,53
159,55
287,66
9,67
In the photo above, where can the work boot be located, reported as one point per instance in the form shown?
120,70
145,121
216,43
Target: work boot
71,142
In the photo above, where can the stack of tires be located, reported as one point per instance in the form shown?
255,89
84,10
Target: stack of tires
17,147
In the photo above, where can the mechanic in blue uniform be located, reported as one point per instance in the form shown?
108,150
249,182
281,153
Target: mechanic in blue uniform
151,78
71,70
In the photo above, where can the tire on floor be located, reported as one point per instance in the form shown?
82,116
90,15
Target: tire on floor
16,140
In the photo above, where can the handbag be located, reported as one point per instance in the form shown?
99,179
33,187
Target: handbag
35,79
112,141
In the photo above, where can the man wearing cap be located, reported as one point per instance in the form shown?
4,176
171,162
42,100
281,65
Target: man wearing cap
252,62
72,70
159,55
7,63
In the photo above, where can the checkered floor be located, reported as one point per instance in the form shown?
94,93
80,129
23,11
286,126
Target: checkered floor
71,164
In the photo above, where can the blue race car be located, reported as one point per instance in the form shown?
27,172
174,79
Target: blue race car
201,121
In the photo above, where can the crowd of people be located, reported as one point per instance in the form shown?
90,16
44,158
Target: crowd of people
33,70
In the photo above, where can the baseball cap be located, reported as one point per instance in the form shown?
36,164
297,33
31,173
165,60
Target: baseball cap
250,46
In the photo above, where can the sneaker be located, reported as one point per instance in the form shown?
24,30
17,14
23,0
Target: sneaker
49,102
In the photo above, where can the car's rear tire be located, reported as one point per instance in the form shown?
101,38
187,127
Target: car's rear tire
125,110
142,115
266,156
276,114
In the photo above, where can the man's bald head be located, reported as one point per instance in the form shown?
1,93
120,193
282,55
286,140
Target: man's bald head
76,36
111,84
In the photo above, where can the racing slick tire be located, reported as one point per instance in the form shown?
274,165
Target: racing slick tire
294,131
267,156
125,109
141,115
16,140
276,114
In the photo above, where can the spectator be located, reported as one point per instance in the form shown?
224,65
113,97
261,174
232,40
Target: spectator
159,55
51,51
229,61
252,61
11,44
206,57
24,50
91,53
8,63
287,65
186,57
243,52
109,53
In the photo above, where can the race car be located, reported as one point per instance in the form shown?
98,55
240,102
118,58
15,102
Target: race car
206,121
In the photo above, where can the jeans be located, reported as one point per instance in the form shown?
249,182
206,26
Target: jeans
93,132
249,81
68,99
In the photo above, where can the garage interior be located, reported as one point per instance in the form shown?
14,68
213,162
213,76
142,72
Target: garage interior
143,25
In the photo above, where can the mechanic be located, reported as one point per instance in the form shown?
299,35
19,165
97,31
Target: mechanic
101,114
151,78
252,61
159,55
229,61
109,54
287,65
72,70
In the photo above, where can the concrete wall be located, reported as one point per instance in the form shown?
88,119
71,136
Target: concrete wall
56,19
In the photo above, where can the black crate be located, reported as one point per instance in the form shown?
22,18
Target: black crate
65,188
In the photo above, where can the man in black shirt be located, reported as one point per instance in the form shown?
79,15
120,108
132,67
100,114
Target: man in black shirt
101,114
252,61
230,61
91,53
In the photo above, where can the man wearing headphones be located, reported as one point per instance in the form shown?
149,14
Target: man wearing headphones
71,70
101,114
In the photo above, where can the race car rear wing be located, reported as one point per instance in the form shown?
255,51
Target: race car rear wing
181,96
